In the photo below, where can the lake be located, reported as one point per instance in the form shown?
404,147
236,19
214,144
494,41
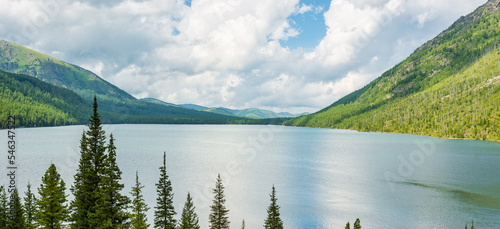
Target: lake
323,177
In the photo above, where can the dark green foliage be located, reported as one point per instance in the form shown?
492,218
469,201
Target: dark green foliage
30,208
449,87
243,224
357,224
89,174
347,226
37,103
273,220
189,219
139,207
112,205
16,213
218,213
164,209
4,207
53,211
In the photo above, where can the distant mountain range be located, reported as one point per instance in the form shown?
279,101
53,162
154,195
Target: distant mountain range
449,87
27,74
252,113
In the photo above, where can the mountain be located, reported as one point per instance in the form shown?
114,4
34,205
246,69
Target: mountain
252,113
449,87
37,103
117,106
18,59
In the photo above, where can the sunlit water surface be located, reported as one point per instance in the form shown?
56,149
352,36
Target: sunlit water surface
323,177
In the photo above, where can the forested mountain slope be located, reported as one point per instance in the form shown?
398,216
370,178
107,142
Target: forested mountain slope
37,103
449,87
117,106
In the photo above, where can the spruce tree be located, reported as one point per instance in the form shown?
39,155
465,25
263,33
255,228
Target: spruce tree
89,174
16,215
111,205
357,224
189,219
139,207
218,217
164,209
30,208
347,226
243,224
273,220
4,207
53,211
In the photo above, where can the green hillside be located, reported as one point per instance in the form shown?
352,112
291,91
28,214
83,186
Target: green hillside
18,59
37,103
449,87
251,113
117,106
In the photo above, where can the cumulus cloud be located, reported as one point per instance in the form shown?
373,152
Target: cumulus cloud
229,52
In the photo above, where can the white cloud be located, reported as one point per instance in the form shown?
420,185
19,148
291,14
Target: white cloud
228,52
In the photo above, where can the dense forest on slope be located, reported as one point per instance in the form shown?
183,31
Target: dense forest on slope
37,103
449,87
18,59
118,106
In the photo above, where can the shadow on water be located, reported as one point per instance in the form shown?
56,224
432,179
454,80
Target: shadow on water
479,199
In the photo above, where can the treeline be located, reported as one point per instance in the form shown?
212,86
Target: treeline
37,103
98,202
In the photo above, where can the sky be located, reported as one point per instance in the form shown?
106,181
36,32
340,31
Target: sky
282,55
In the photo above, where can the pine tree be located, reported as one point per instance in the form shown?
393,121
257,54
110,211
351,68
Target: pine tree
243,224
189,219
273,220
16,215
111,205
164,209
89,174
347,226
53,211
357,224
30,208
4,206
139,207
218,216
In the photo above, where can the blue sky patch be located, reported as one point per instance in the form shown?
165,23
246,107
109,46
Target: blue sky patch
310,25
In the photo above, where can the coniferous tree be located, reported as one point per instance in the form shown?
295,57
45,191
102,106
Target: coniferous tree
111,205
139,207
273,220
16,215
89,174
347,226
164,209
357,224
189,219
53,211
30,208
243,224
4,206
218,216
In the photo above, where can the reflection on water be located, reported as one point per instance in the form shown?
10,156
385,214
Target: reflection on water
323,177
